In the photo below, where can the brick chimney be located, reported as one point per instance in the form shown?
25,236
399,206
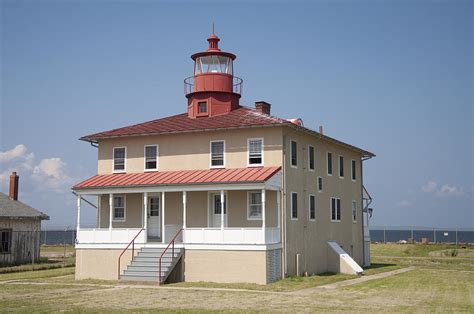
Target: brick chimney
263,107
13,193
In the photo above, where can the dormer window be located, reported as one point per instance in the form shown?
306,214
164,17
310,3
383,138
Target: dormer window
120,155
202,107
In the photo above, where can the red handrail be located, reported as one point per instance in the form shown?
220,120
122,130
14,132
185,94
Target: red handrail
172,252
133,250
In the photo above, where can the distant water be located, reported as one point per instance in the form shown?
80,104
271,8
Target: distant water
442,236
58,236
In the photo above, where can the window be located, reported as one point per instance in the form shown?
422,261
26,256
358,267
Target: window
120,155
329,160
353,170
217,154
294,154
311,157
294,205
320,184
255,149
217,204
335,209
5,241
151,157
154,206
312,207
341,166
202,107
354,211
254,211
119,208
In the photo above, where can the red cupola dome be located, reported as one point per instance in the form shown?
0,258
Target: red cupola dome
213,89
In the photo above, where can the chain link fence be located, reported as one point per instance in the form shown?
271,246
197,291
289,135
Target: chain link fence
384,234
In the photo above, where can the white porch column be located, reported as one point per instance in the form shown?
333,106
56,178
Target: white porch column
99,201
184,214
163,217
145,211
111,210
222,211
78,216
278,208
263,212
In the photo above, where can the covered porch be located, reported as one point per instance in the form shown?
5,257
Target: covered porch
231,212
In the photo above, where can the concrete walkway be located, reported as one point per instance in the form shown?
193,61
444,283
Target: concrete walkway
301,292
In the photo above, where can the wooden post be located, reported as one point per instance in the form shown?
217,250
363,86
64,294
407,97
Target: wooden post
78,218
222,212
145,213
111,210
184,214
278,208
163,217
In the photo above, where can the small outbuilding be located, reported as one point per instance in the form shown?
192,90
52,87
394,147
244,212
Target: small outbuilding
20,227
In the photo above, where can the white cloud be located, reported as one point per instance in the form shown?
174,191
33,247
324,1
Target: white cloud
405,203
47,174
429,187
449,190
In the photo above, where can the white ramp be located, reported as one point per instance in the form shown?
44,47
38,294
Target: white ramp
341,262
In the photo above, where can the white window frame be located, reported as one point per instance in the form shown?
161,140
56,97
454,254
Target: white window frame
317,184
124,162
339,166
248,152
309,207
291,154
327,164
291,201
124,208
354,211
248,205
210,154
353,170
330,209
144,157
309,158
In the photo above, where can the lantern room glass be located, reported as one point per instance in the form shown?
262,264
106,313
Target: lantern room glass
213,64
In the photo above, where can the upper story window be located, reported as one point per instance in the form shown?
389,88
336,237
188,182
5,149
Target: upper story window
311,157
119,208
335,209
329,163
217,154
353,170
354,211
202,107
320,184
254,211
294,154
213,64
312,207
5,241
255,149
120,156
294,205
341,166
151,157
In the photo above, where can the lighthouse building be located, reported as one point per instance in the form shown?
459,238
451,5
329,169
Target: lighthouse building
222,192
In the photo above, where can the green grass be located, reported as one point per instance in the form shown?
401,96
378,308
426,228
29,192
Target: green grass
409,250
37,274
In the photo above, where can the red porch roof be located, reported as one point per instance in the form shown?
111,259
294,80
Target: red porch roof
182,177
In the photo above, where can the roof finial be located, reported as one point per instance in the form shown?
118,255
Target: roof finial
213,27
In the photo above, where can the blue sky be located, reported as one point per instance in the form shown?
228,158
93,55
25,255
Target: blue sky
393,77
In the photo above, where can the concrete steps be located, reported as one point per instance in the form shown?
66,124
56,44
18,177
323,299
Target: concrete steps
145,266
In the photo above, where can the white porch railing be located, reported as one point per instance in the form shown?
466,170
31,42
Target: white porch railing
231,236
114,236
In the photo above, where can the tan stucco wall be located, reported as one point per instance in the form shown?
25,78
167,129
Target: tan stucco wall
192,150
225,266
310,237
196,211
101,263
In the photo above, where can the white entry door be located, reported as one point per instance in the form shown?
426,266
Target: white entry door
215,210
154,225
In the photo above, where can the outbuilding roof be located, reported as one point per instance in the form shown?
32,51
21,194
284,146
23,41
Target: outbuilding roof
243,117
181,177
16,209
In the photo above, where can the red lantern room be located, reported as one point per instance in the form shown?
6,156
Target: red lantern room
213,89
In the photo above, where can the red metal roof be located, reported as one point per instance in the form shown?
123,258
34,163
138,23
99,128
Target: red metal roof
241,117
182,177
